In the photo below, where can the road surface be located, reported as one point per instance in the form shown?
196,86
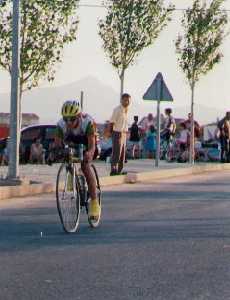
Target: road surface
163,241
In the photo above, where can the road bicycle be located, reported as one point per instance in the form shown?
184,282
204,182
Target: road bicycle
72,192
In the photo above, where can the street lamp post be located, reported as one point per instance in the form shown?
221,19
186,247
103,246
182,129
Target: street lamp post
13,171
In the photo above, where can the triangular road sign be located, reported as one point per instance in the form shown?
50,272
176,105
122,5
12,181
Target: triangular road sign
158,90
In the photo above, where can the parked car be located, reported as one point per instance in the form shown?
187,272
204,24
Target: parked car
28,135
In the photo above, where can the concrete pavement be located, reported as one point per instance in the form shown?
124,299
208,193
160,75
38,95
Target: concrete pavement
43,177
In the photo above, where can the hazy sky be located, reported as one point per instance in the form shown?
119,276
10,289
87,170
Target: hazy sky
86,58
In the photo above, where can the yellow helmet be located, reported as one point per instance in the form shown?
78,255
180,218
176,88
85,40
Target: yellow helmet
71,108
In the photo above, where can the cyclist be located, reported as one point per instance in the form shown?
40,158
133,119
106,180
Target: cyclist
79,128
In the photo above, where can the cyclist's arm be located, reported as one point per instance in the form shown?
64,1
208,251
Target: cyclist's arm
91,134
91,144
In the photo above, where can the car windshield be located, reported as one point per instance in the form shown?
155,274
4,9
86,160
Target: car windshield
50,133
30,134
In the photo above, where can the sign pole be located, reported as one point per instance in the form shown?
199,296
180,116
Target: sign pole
157,160
158,91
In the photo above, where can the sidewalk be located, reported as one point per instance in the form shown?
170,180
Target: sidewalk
43,177
45,173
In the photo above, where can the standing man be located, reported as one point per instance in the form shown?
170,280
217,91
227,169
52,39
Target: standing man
224,128
119,129
197,129
169,125
135,138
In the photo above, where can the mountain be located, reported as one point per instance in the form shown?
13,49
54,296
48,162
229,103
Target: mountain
99,101
203,114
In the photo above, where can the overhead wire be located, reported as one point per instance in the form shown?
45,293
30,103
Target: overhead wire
104,6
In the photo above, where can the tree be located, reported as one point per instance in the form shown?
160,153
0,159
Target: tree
199,46
46,27
129,27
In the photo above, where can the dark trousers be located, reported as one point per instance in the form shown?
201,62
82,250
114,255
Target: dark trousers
225,149
118,151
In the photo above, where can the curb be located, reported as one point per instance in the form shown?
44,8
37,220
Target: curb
7,192
169,173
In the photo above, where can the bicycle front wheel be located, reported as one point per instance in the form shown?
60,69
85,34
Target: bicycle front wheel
68,198
95,223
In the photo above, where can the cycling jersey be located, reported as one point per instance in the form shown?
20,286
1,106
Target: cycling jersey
78,135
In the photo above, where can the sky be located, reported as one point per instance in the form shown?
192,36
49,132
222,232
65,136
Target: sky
85,57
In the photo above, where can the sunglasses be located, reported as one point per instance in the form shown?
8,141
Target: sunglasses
70,119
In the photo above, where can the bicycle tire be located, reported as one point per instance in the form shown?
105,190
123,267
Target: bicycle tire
68,202
96,223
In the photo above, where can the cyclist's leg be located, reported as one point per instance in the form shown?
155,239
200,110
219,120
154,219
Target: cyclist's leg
90,179
94,206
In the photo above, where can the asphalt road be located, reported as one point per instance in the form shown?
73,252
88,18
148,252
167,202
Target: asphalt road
169,240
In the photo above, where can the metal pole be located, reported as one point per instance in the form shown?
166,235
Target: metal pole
13,171
159,96
158,134
82,100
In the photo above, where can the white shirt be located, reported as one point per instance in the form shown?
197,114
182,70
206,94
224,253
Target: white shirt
147,123
120,119
183,136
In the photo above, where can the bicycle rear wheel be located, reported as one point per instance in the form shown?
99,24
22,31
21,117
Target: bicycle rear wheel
68,198
95,223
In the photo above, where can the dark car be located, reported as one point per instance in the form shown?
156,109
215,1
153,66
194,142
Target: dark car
28,135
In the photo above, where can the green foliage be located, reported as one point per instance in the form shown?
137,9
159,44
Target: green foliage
46,27
204,30
129,27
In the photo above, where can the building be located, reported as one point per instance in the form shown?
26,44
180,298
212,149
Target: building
27,120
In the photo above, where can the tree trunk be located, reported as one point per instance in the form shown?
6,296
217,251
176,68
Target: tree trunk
122,79
192,130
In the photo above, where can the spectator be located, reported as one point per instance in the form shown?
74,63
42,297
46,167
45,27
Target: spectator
55,153
37,152
135,138
197,129
119,129
169,125
147,122
21,153
224,128
183,138
1,156
150,145
107,131
5,156
106,148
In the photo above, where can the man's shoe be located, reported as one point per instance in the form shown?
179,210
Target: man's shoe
114,173
123,173
94,210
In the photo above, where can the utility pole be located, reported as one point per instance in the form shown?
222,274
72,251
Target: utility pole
13,171
82,100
